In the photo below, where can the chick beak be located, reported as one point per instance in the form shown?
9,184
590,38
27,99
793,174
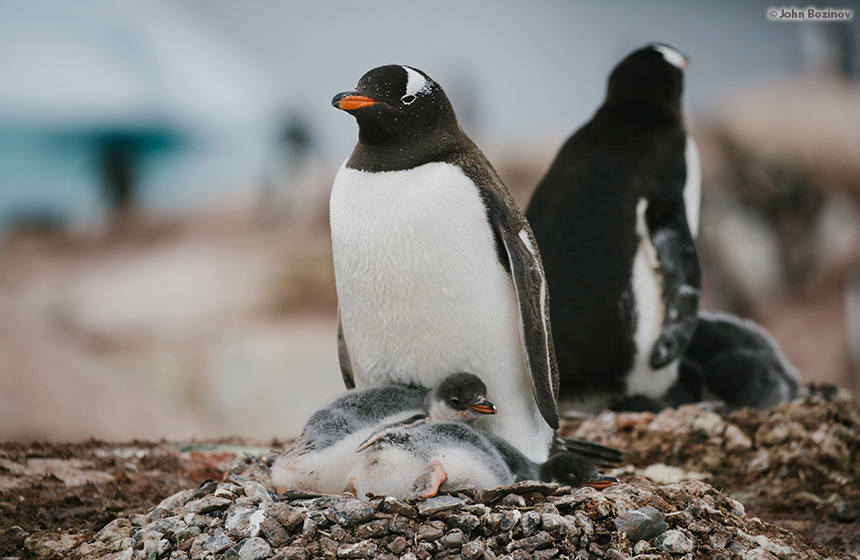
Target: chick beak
350,101
483,406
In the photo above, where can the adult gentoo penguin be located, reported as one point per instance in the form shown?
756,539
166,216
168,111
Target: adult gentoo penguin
615,217
326,449
436,268
416,461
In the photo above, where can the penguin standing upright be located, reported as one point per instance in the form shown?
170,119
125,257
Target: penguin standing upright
615,218
436,268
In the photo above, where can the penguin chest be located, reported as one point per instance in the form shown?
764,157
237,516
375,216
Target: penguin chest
421,293
647,284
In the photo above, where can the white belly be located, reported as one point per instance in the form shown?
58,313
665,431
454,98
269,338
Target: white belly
421,294
647,290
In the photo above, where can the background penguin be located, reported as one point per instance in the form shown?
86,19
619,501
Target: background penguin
615,218
418,460
737,362
435,266
325,450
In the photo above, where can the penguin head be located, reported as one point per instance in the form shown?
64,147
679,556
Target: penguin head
461,397
650,78
398,104
574,470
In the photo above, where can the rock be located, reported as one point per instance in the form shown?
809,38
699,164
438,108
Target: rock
254,548
167,525
55,546
397,545
758,554
431,530
400,507
530,544
527,525
242,522
349,513
206,544
473,550
439,503
363,549
206,488
198,520
176,501
545,554
641,524
735,439
292,553
509,519
453,539
114,531
206,505
466,522
674,541
520,554
286,515
846,511
274,532
584,523
256,491
514,500
375,528
770,546
398,524
555,525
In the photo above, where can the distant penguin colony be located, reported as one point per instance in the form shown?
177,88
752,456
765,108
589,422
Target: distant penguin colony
615,218
444,315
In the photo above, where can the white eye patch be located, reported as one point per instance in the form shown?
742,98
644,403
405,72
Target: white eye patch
672,56
416,84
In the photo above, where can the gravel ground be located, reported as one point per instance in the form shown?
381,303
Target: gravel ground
776,484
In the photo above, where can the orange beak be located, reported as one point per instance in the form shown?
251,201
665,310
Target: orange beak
484,406
349,101
602,482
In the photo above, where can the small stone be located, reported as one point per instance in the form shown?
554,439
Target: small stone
584,523
453,539
206,544
409,556
554,524
466,522
274,532
167,525
514,500
349,513
286,515
641,524
338,533
510,519
207,504
225,493
362,549
473,550
641,547
546,507
239,520
846,511
546,554
201,520
206,488
774,548
431,530
256,491
398,524
492,521
758,554
539,540
520,554
176,501
184,537
114,531
736,439
699,528
400,507
255,548
439,503
52,547
292,553
372,529
527,525
397,545
674,541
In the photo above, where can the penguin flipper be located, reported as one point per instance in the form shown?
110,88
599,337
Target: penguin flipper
533,303
594,452
388,429
343,357
679,266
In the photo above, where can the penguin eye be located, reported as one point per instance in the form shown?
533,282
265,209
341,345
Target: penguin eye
455,401
407,99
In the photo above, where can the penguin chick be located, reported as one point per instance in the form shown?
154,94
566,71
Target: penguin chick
325,450
418,461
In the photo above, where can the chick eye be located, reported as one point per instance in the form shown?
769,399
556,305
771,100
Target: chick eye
455,401
407,99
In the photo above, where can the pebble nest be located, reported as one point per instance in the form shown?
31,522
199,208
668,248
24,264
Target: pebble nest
808,447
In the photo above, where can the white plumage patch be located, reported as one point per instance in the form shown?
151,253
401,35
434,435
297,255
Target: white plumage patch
647,294
672,56
416,82
422,295
692,186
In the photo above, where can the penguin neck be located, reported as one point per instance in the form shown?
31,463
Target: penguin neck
667,113
379,150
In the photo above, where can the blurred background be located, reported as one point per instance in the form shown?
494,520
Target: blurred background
165,266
